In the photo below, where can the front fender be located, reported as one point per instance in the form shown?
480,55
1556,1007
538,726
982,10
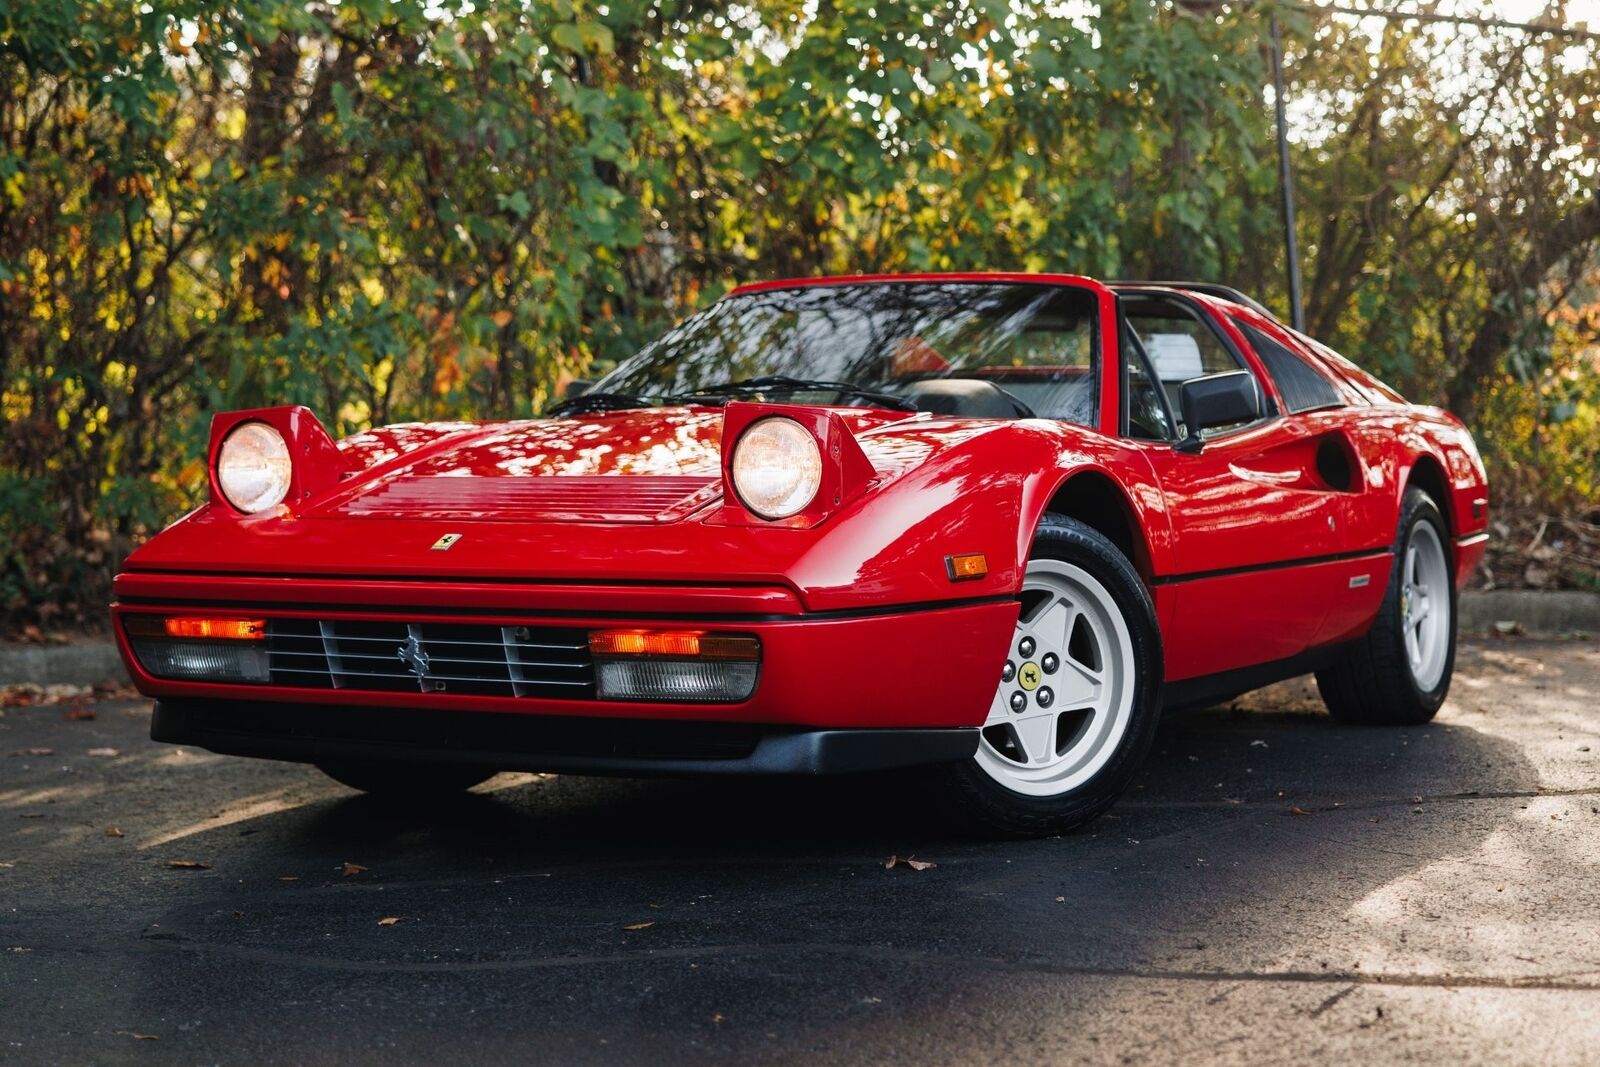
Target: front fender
982,494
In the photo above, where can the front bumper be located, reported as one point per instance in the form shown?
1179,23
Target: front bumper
309,733
836,690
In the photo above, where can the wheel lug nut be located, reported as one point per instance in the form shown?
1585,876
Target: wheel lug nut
1050,662
1019,702
1045,697
1025,647
1008,672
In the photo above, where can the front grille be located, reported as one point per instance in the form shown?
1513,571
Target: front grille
430,657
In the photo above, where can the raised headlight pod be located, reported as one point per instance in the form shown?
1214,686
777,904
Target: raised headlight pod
777,467
688,666
253,467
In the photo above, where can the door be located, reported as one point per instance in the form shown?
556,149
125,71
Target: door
1257,515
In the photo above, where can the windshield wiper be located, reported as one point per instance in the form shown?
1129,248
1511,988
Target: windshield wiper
772,382
587,403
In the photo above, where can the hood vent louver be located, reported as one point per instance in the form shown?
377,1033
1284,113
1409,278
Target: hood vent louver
546,498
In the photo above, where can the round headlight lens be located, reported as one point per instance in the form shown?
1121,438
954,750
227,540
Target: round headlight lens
777,467
253,467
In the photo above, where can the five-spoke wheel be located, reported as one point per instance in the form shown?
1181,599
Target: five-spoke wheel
1077,698
1064,700
1399,671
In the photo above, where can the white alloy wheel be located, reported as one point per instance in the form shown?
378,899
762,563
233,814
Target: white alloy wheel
1067,690
1425,606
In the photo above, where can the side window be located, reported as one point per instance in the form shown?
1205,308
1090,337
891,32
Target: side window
1180,346
1302,387
1147,413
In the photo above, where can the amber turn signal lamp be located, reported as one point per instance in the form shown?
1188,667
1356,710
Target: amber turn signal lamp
687,643
196,628
967,567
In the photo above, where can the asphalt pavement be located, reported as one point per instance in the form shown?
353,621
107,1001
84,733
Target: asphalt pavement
1276,889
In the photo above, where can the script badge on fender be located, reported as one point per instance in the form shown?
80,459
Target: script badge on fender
444,543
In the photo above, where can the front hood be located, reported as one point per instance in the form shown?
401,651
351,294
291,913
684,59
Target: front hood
652,466
615,498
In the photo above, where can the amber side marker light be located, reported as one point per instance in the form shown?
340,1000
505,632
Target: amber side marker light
967,567
690,666
197,648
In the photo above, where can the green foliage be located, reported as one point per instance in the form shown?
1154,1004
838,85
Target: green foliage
402,209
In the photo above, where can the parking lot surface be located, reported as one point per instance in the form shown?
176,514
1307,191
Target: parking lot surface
1277,888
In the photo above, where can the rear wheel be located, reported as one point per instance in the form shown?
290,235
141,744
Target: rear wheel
404,780
1078,700
1399,673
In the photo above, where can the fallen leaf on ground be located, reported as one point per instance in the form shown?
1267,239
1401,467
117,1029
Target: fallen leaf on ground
27,694
112,831
1259,744
140,1037
639,926
392,920
34,752
1298,811
288,877
907,861
103,752
352,868
78,714
188,865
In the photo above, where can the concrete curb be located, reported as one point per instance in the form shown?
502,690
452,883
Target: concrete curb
80,663
1561,611
1535,612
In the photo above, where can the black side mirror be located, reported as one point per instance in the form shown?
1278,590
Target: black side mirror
1217,400
576,387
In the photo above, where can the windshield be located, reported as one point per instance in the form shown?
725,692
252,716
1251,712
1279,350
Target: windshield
956,348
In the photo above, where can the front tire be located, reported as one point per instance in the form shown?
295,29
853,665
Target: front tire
405,781
1079,697
1399,673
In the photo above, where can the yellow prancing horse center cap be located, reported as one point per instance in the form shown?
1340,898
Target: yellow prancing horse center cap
1028,676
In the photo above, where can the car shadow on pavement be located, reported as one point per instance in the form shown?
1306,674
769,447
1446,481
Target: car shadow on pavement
627,920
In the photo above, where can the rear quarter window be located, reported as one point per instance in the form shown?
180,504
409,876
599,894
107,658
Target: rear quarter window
1302,386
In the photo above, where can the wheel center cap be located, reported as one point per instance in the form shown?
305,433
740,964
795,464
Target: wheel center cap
1029,675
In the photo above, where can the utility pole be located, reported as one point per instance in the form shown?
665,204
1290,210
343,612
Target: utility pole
1291,245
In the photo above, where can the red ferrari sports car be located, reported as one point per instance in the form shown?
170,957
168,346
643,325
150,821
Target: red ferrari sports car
987,523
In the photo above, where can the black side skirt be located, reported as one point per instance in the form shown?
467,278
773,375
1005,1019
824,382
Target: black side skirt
1216,688
308,733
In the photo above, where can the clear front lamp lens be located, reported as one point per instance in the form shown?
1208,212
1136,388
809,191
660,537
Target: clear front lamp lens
253,467
676,680
777,467
203,661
